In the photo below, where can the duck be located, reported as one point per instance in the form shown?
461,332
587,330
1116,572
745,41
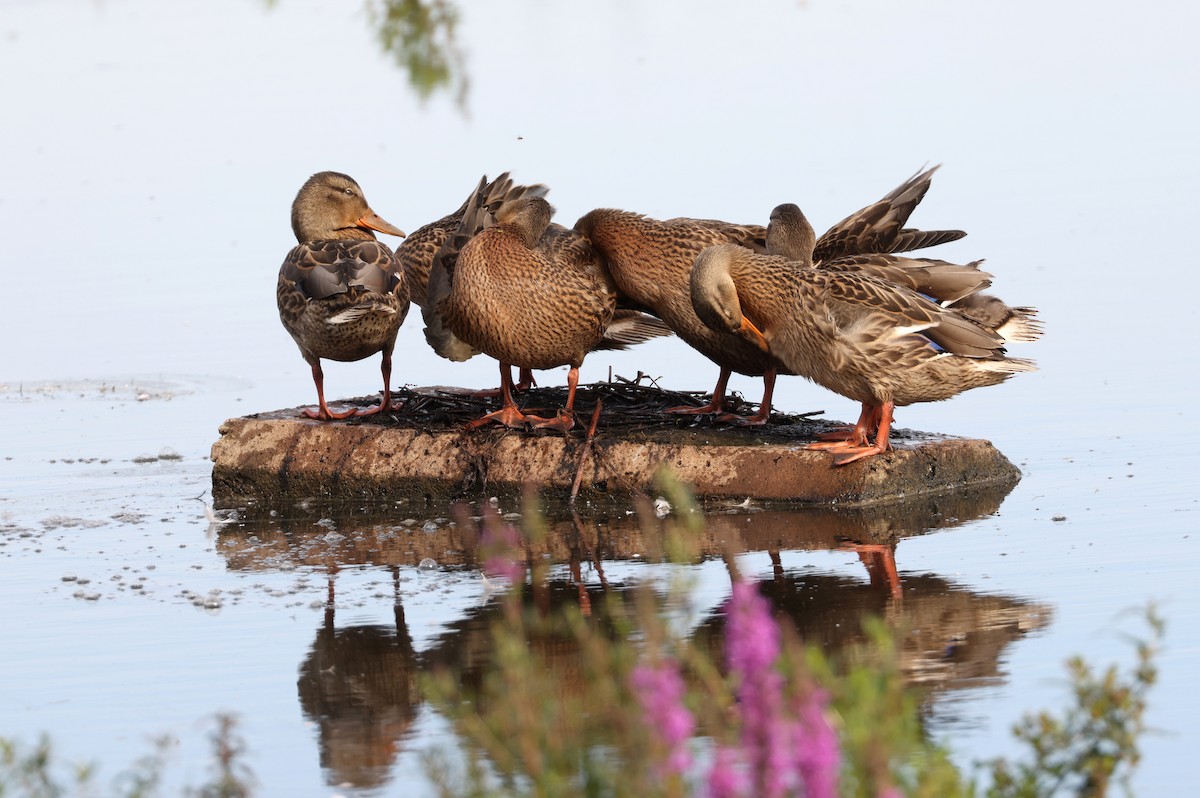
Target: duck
341,292
873,340
790,236
651,263
527,292
418,251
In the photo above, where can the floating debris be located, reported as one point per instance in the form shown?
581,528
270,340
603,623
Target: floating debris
70,522
662,507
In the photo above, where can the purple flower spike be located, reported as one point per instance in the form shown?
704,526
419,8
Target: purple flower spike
751,636
660,691
500,543
819,755
727,778
787,753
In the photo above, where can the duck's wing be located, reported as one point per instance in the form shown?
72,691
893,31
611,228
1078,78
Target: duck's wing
320,269
417,252
474,217
710,232
1013,323
875,312
939,280
437,333
879,227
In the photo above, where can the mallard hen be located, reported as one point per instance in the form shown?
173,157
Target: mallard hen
341,293
651,263
528,293
418,251
869,339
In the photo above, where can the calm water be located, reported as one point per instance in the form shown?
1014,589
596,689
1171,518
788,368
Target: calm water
149,156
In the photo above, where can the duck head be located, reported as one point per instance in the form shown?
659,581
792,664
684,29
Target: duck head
530,216
789,234
715,295
330,205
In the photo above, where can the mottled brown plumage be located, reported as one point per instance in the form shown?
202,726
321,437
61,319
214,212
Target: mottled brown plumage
418,250
651,263
864,337
529,294
340,292
790,235
625,328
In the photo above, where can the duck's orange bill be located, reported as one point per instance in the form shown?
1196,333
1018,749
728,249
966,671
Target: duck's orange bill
750,331
375,222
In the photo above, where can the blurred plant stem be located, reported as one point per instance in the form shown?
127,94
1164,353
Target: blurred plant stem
34,773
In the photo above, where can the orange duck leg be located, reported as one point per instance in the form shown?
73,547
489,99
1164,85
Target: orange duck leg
857,446
716,405
323,413
511,416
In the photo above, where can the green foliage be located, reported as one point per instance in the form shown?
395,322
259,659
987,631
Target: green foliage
33,773
420,35
232,777
27,773
1094,742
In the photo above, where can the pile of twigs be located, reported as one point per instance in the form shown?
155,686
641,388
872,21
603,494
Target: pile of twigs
626,403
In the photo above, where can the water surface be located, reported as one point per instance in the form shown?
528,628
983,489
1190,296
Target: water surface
150,155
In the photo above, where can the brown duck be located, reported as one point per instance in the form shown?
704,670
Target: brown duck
418,251
341,293
651,263
869,339
651,260
877,228
790,236
528,293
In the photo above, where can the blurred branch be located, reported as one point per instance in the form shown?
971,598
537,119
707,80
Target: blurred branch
420,35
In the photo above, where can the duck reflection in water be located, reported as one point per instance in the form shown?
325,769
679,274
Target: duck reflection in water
359,686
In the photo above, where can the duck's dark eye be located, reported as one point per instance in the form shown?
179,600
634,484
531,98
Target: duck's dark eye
348,192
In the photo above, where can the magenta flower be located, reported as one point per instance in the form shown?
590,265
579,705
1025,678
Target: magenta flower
818,755
500,546
660,691
727,777
785,752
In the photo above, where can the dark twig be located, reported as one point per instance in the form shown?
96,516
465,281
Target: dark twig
587,447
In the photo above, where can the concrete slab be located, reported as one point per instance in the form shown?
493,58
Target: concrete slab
422,456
